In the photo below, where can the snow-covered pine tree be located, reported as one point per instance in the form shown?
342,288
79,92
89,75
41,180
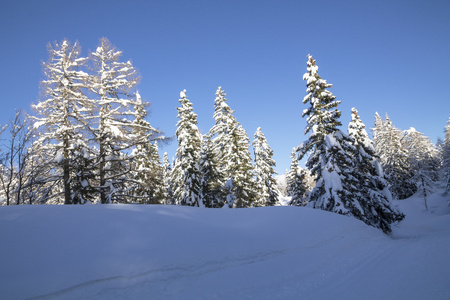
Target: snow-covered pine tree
220,132
266,185
375,196
296,182
212,186
393,158
61,115
146,165
423,158
446,159
331,153
290,174
167,181
186,175
240,183
230,144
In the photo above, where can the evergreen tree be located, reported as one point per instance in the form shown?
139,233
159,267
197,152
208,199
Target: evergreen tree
332,154
230,145
446,159
330,160
147,169
186,173
296,182
61,115
375,196
423,158
393,158
167,182
240,184
212,186
264,170
220,132
291,173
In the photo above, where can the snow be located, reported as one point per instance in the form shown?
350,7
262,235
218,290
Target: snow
174,252
59,157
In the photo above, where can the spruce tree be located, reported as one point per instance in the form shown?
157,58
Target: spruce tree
375,196
331,154
230,145
393,158
266,185
423,158
167,181
446,159
212,186
186,172
220,132
147,169
240,183
296,182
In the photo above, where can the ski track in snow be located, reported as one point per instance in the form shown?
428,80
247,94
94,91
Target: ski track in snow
105,288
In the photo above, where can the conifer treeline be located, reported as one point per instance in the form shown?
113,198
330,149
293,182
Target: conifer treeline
89,141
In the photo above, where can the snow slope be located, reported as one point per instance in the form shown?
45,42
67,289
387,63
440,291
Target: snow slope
173,252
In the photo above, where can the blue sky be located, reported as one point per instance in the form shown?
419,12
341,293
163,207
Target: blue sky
386,56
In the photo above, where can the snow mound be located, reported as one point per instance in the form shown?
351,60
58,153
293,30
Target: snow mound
173,252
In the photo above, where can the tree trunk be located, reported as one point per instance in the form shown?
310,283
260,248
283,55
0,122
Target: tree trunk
66,176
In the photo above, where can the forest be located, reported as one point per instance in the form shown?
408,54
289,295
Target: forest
88,141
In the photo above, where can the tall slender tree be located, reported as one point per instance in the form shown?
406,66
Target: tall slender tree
146,165
446,159
167,181
297,186
61,115
387,141
186,172
375,196
267,192
240,183
119,123
331,159
212,185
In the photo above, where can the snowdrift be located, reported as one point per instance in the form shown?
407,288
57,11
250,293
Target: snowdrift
172,252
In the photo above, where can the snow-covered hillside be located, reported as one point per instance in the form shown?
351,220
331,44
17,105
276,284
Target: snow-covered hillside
173,252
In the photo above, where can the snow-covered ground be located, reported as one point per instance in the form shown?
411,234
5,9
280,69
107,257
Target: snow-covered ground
173,252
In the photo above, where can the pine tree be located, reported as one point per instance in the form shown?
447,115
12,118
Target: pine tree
186,173
61,115
375,196
291,173
330,160
264,170
446,159
423,158
240,184
230,145
147,169
167,182
220,132
393,158
212,186
296,182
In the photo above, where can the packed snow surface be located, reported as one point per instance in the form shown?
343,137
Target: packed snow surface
173,252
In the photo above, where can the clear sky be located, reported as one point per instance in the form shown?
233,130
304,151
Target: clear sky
381,56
